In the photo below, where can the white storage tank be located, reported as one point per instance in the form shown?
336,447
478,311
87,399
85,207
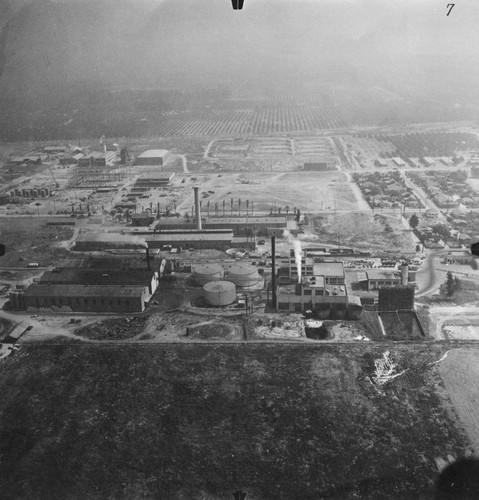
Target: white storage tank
243,275
205,273
220,293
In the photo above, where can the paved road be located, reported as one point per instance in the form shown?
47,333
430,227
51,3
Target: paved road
433,280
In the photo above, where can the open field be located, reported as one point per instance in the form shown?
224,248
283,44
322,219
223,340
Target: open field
370,232
202,422
31,240
311,191
460,372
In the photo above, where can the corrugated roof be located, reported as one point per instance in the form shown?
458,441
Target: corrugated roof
66,291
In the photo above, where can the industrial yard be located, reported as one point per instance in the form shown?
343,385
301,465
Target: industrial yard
238,251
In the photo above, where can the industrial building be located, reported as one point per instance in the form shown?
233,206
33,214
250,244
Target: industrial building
97,159
104,277
213,239
155,157
158,179
313,294
83,298
94,242
332,272
377,278
240,225
460,257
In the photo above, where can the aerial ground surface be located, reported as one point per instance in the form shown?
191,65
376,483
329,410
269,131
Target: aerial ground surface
82,421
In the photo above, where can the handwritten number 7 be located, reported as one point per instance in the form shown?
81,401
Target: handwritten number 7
450,6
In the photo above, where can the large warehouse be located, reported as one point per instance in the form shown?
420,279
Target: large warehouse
155,157
218,240
91,242
84,298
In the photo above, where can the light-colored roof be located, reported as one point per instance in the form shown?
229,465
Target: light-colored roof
328,269
153,153
176,237
279,219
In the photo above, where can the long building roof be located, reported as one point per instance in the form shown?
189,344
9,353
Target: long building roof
175,237
67,291
80,277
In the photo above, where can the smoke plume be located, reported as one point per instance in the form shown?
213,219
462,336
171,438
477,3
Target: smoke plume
298,252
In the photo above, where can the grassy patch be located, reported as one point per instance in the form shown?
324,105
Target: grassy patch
201,422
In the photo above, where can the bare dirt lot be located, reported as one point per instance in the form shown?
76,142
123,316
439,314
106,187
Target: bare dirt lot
31,240
375,233
311,191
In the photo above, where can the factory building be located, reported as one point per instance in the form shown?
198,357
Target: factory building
97,159
159,179
333,272
313,294
156,157
377,278
104,277
213,239
459,257
241,226
83,298
94,242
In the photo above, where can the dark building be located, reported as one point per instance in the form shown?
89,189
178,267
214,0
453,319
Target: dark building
83,298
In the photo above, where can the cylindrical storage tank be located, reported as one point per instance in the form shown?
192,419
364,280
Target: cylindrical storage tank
205,273
243,275
220,293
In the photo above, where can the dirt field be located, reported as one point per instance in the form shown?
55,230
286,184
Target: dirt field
31,240
375,233
311,192
460,372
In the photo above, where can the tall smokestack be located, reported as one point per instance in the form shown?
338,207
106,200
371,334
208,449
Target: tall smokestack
404,273
273,262
197,209
148,258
